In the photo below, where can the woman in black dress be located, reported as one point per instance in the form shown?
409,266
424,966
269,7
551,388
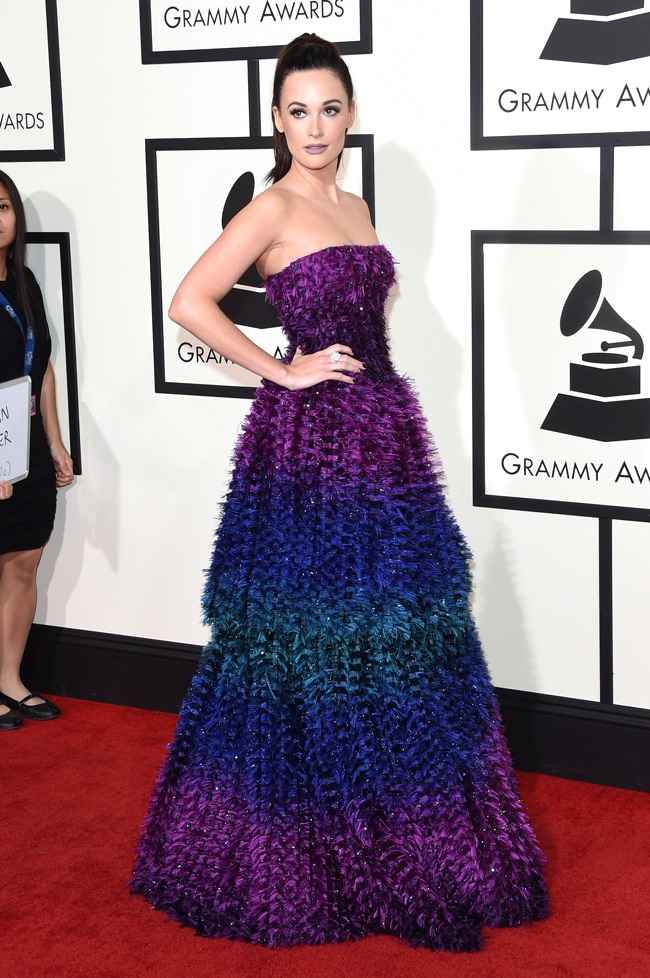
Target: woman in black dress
27,512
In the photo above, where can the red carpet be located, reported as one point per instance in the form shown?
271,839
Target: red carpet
73,795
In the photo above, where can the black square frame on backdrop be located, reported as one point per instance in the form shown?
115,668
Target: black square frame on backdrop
363,45
546,140
481,498
57,152
364,142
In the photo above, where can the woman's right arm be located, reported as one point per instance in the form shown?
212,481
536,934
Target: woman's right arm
195,304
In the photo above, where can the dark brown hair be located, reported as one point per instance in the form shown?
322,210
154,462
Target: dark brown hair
16,251
305,53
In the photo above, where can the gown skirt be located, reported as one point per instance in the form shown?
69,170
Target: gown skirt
339,767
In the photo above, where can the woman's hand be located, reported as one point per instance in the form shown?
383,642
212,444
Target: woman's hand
6,489
62,465
336,362
60,457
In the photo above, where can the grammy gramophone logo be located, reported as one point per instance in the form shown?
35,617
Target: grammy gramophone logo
601,32
245,304
605,403
4,77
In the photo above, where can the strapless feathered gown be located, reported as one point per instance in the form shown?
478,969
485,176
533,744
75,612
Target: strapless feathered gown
339,767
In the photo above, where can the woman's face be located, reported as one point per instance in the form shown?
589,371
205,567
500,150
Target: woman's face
314,114
7,219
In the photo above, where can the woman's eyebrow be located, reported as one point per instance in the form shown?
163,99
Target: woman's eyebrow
302,105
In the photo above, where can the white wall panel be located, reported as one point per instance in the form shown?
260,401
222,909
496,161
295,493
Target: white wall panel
631,614
631,199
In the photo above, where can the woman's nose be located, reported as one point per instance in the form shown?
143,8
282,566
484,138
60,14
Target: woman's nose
316,129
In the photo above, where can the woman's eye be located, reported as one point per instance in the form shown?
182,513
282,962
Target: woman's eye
297,113
331,110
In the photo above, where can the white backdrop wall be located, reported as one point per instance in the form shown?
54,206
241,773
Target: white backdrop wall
134,532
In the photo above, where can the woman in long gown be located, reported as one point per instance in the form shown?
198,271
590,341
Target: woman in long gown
339,767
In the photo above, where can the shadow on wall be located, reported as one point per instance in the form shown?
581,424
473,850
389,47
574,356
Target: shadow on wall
501,615
538,204
424,346
547,182
35,206
427,348
96,521
551,170
91,514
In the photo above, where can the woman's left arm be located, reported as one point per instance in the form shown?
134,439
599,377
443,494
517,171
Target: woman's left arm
60,457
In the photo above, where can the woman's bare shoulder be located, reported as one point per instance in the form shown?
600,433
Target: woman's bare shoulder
258,225
270,204
358,219
355,203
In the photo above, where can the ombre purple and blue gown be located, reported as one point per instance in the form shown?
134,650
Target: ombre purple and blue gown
339,767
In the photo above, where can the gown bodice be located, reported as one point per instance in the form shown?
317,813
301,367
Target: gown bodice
336,295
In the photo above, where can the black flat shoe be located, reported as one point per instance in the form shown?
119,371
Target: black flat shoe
40,711
10,721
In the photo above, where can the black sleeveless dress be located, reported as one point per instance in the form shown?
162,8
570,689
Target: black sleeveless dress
26,520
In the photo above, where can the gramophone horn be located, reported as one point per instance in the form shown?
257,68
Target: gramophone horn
581,302
586,302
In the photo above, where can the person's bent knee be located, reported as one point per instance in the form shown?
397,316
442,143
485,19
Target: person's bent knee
20,564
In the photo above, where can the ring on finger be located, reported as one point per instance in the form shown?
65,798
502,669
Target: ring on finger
335,355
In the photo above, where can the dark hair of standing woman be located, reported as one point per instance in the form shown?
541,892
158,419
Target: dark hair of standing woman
17,251
305,53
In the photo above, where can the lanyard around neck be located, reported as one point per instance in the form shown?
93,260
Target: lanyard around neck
28,334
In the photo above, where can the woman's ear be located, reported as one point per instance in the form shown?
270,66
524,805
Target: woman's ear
352,114
276,119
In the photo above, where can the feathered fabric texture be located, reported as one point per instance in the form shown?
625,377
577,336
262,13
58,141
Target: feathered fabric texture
339,767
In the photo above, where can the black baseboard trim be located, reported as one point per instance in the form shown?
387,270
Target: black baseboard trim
121,669
568,738
578,739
